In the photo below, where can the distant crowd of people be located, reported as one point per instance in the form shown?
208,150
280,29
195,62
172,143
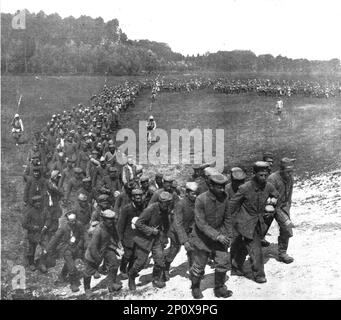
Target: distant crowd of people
267,87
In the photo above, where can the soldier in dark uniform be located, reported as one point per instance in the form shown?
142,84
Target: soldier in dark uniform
283,181
198,177
103,247
93,163
152,227
58,162
269,158
238,177
112,182
83,157
54,209
248,210
124,197
34,153
28,172
125,231
74,184
182,226
86,189
83,212
68,172
36,185
148,190
212,233
207,172
34,221
110,155
69,243
100,173
158,180
167,186
102,205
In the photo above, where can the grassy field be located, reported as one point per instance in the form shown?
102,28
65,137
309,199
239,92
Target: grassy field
309,130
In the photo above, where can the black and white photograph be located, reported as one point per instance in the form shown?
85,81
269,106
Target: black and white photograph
182,151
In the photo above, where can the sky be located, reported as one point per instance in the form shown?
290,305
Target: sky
294,28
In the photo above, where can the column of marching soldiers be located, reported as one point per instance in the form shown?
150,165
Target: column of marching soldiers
82,203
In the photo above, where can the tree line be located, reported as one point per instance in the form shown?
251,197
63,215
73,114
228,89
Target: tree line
50,44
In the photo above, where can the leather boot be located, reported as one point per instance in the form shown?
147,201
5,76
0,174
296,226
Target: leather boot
86,283
131,280
42,263
157,278
220,290
74,284
113,286
166,276
123,268
236,270
62,277
196,291
282,250
31,263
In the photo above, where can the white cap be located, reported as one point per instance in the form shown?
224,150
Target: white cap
193,186
151,118
139,168
54,174
71,216
210,171
16,116
109,214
